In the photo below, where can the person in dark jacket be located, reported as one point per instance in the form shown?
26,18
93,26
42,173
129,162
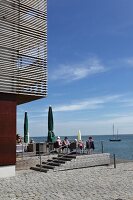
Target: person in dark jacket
90,145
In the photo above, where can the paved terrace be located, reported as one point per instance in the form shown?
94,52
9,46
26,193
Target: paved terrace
94,183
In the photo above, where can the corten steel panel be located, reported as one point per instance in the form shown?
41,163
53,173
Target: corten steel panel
23,48
7,131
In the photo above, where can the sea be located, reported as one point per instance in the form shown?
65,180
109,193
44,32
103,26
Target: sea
121,149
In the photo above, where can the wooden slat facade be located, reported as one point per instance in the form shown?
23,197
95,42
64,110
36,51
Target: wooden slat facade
23,49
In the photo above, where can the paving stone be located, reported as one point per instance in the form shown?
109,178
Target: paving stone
96,183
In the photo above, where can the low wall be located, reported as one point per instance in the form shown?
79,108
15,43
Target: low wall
7,171
83,161
24,163
80,161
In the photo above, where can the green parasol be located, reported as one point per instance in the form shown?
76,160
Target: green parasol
51,135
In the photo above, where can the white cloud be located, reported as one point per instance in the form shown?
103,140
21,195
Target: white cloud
115,115
97,125
126,62
120,63
130,61
91,127
126,102
88,127
79,70
86,104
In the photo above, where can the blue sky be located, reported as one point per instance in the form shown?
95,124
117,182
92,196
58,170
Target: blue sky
90,69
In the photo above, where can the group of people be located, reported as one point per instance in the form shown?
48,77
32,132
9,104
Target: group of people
62,144
65,143
89,146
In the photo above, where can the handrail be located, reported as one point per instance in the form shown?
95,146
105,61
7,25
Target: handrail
58,154
66,145
58,148
63,154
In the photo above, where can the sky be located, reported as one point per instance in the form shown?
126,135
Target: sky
90,70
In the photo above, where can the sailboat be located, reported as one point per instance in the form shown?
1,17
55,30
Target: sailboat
115,138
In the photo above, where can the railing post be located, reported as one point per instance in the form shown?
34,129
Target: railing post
39,148
114,161
40,157
22,151
58,155
40,162
102,145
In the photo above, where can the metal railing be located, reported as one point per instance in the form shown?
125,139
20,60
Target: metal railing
100,147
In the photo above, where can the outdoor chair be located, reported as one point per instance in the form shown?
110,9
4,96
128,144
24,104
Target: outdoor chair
20,148
56,145
72,146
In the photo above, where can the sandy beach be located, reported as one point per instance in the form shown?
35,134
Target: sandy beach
94,183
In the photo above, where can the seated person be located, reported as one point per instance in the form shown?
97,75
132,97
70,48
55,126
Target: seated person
80,145
76,143
58,143
73,145
65,143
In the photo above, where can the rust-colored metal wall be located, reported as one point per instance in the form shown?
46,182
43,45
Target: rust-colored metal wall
7,130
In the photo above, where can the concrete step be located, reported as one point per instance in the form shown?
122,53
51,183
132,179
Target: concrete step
67,156
62,158
46,166
51,163
38,169
57,161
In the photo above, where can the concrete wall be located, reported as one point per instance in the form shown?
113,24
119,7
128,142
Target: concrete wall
86,161
7,171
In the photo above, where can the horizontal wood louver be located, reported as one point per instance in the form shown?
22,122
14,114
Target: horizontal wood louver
23,48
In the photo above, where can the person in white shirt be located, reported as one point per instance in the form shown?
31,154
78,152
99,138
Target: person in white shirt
59,142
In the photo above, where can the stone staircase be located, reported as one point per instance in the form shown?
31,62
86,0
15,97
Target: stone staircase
53,163
69,162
